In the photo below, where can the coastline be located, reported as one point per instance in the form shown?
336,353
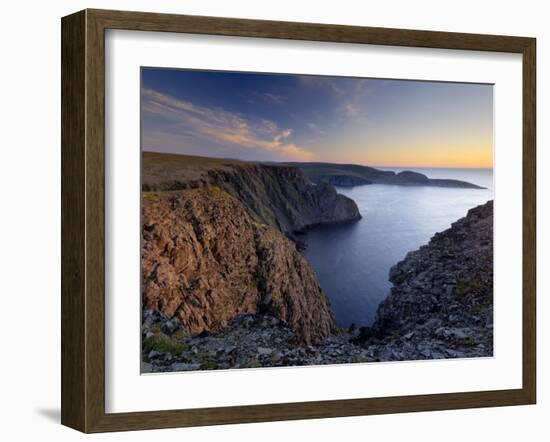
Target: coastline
266,335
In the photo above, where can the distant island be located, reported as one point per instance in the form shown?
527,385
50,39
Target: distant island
349,175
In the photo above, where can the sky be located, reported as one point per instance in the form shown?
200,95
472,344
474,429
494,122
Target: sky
280,117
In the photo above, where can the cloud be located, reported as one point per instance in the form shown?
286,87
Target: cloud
214,125
333,85
349,94
315,128
284,134
350,109
268,97
268,128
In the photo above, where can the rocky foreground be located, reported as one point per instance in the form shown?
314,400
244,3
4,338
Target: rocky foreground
249,341
441,306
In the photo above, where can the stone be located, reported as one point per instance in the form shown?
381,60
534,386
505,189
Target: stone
170,326
154,354
433,323
426,353
178,366
146,367
264,351
457,334
454,353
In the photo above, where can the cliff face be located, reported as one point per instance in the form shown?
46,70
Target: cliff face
282,197
206,260
441,304
279,196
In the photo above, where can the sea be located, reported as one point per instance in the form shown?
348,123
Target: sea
352,261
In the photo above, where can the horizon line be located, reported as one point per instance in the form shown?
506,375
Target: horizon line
324,162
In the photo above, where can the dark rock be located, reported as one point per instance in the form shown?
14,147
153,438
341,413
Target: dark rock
264,351
365,334
179,366
171,326
154,354
442,295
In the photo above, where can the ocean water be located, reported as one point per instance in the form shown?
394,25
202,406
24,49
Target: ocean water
352,261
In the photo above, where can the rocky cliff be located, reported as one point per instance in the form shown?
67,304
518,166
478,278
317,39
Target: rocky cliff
276,195
441,304
205,260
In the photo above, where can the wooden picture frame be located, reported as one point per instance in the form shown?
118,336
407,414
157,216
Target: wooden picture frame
83,220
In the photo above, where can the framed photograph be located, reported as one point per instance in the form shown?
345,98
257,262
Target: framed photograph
268,220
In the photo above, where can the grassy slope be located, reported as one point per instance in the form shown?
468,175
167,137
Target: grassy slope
162,167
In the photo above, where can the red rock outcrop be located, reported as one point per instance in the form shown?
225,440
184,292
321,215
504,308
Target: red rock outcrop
205,260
